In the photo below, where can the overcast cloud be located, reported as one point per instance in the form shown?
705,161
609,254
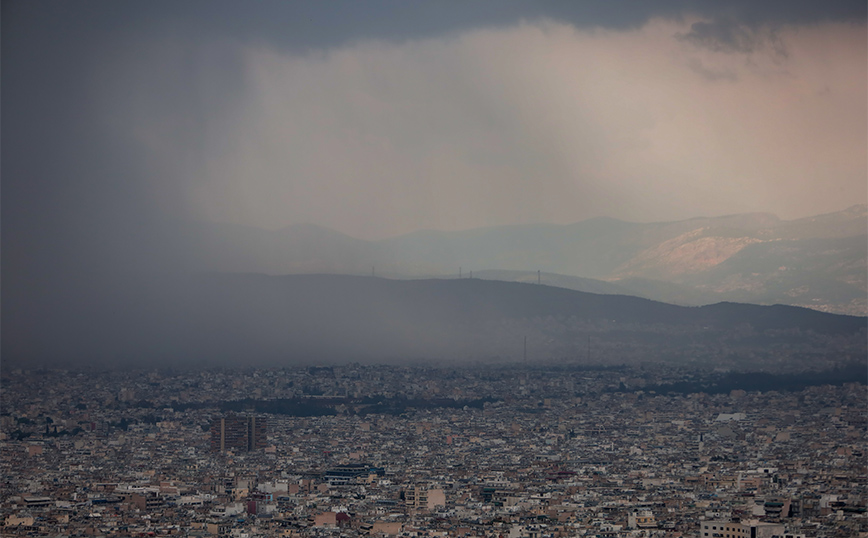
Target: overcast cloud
385,117
532,122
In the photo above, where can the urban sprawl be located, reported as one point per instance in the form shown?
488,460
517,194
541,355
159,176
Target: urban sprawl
476,451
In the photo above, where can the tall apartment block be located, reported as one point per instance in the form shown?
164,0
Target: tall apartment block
239,432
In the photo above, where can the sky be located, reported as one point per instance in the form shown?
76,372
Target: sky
380,118
124,122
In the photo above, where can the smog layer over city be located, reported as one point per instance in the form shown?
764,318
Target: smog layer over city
434,269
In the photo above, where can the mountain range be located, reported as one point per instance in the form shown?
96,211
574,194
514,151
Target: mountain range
238,319
592,292
818,262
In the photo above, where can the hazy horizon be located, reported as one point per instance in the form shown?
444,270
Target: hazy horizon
349,233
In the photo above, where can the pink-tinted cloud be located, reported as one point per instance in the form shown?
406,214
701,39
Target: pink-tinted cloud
535,122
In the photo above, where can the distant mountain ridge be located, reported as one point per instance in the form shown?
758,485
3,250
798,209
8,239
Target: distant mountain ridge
232,319
818,262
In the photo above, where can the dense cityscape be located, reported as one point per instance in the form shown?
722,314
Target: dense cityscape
356,450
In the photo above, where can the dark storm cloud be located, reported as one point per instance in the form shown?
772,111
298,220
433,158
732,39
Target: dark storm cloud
722,36
728,36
